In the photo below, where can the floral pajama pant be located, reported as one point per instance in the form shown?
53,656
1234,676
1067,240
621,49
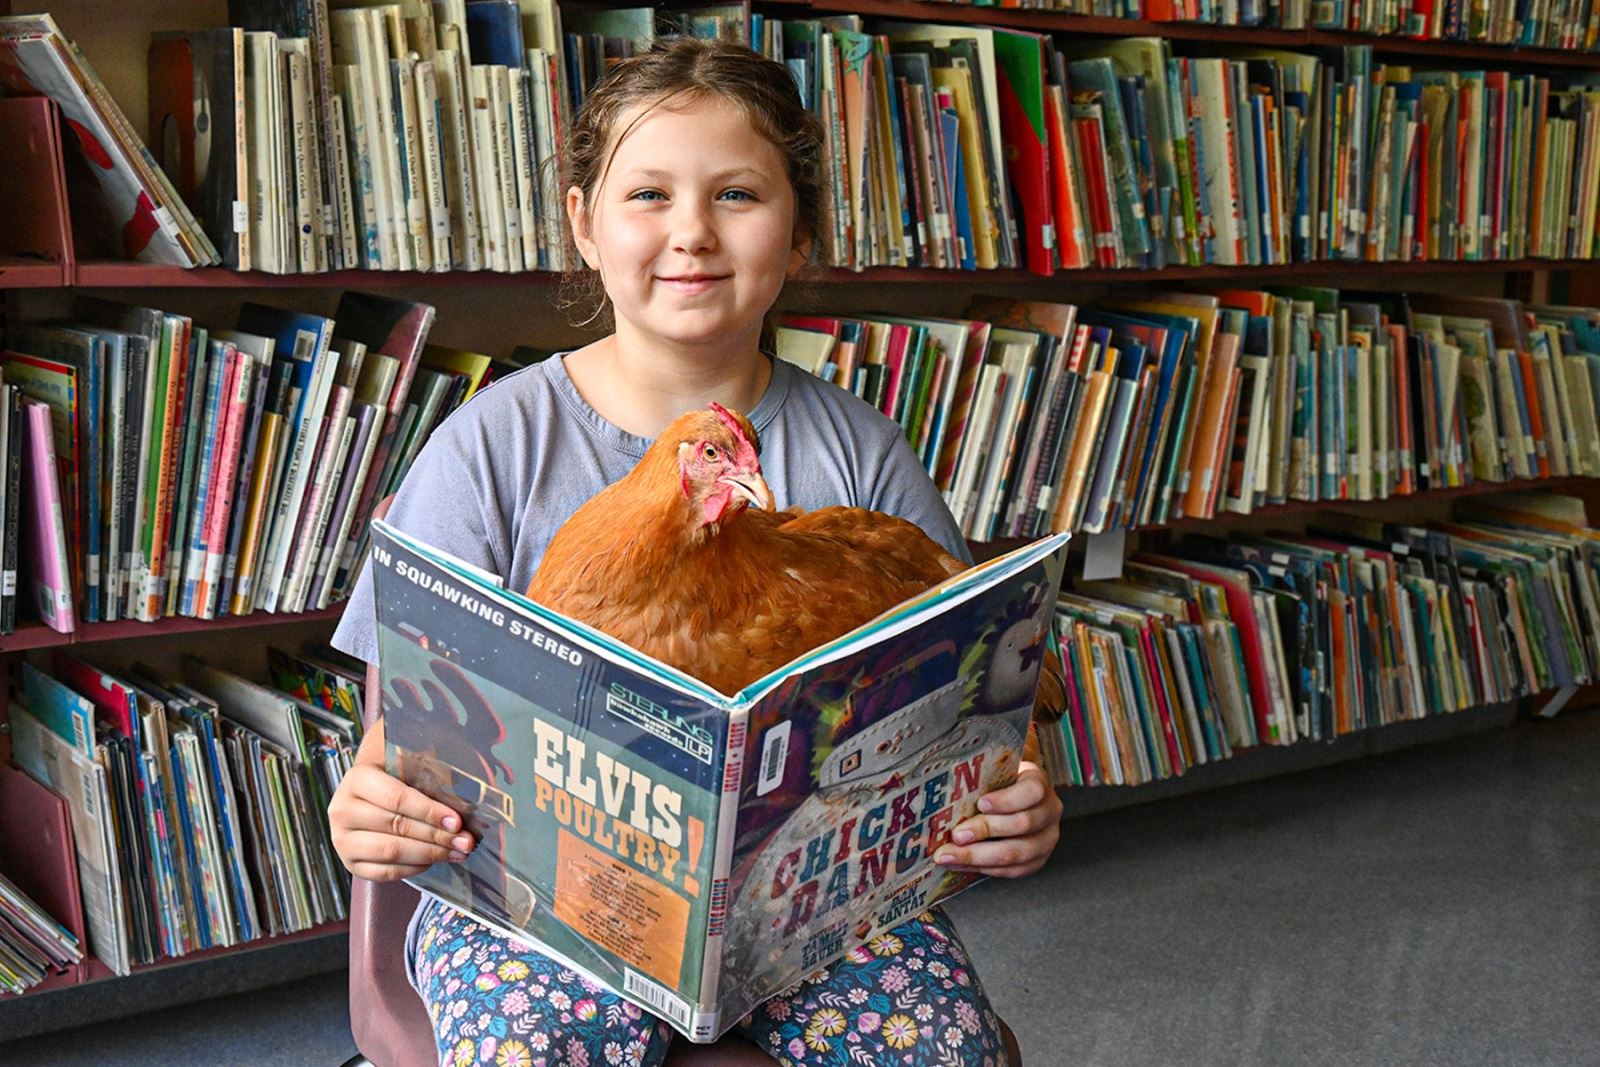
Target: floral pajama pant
906,997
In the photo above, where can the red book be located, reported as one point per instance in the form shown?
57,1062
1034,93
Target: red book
1019,62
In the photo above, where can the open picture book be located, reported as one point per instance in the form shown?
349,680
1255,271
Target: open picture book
694,851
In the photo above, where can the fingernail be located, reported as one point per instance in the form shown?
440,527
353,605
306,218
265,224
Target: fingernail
457,857
962,837
452,822
462,842
983,804
944,855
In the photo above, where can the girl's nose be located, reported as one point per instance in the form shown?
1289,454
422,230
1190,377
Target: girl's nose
692,229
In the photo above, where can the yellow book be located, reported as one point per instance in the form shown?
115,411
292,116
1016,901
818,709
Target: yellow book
455,361
243,597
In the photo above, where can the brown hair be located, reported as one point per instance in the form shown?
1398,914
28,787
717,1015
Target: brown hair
689,69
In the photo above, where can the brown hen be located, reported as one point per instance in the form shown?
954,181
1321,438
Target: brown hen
674,560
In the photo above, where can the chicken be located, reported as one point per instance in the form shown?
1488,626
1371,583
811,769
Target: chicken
686,560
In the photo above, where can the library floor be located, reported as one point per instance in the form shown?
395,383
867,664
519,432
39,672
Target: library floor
1436,906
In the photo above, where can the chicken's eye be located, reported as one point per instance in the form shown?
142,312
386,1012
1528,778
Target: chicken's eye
710,453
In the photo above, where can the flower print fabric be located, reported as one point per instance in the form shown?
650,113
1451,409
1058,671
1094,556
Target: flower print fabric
908,996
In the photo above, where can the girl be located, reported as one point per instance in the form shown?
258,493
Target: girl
693,189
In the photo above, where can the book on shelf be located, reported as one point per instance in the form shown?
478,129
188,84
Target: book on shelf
1217,645
1035,417
201,472
648,830
197,801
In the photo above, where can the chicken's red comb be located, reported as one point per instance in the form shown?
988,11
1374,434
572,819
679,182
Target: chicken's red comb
736,426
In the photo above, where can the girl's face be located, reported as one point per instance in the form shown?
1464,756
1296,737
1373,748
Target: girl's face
693,225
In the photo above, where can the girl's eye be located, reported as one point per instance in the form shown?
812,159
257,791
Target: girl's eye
738,194
648,194
711,453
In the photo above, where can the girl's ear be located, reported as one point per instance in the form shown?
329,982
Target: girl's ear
800,251
578,219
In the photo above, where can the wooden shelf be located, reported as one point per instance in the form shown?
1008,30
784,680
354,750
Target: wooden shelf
1262,517
38,635
17,273
96,971
1301,507
144,276
1255,36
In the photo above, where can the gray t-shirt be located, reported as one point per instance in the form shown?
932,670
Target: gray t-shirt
498,477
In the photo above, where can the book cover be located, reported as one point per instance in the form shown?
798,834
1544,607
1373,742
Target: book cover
197,130
654,833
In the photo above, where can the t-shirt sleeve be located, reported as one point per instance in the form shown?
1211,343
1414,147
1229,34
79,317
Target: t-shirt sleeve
901,486
446,501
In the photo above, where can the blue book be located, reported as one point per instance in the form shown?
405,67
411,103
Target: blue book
199,711
494,32
186,831
64,711
210,432
951,126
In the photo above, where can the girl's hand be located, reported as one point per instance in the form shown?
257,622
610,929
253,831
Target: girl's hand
384,829
1014,833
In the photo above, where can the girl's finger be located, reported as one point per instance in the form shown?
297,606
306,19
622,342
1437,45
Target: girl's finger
391,850
992,827
1006,852
384,872
1026,792
386,791
360,815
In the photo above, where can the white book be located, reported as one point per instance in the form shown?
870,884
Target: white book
387,146
460,182
435,184
354,43
302,181
334,549
402,72
500,111
363,190
522,161
542,122
261,86
1362,355
486,164
350,236
334,438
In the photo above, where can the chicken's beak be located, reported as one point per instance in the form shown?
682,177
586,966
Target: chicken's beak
751,487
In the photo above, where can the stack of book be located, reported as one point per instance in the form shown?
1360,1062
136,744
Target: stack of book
978,147
33,945
380,136
1565,24
1035,418
198,803
1220,645
179,470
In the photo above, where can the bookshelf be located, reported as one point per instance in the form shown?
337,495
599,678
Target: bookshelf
40,269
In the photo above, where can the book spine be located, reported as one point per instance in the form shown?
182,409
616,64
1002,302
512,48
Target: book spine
402,77
435,182
217,524
733,769
461,182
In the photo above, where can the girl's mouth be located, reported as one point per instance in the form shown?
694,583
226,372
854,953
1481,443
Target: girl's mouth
690,284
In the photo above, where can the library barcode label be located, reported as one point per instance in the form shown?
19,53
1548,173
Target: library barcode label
656,996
